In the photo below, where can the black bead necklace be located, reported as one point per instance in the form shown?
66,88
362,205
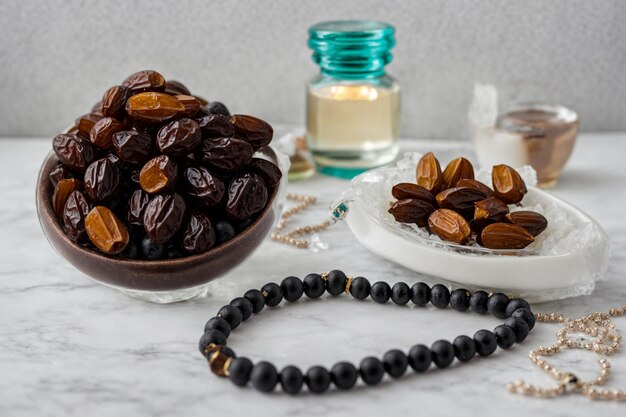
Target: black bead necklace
264,376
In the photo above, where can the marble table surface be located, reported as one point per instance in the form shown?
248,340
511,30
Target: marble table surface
72,347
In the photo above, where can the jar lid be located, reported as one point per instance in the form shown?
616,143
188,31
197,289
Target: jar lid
352,48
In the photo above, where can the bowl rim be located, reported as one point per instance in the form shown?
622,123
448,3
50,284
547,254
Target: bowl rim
43,200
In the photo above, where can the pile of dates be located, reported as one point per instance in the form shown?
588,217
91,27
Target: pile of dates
154,172
457,208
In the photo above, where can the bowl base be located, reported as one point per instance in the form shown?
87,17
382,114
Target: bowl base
166,297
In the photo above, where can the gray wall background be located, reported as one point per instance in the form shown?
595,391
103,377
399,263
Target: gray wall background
58,56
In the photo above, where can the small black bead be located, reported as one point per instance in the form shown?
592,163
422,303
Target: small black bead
380,292
152,250
520,328
264,376
464,348
216,107
420,294
229,352
292,288
485,342
291,379
314,285
505,336
257,300
516,304
497,305
371,370
232,315
400,293
218,323
239,371
343,375
419,358
442,353
440,296
360,288
478,302
317,379
274,294
336,282
459,299
525,314
211,337
224,231
395,363
245,306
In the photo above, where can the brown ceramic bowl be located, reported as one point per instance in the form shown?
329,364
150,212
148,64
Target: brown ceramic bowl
163,280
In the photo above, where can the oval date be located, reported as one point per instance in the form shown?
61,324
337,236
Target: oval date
163,217
146,80
101,134
204,186
106,231
73,151
77,207
198,234
247,196
132,146
158,174
269,171
137,204
179,138
216,126
102,180
114,102
226,154
256,132
154,107
62,191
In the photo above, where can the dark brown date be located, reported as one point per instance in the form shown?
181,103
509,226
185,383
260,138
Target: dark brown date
73,151
173,88
85,122
216,126
137,204
163,217
407,190
532,221
158,174
489,210
270,172
154,107
192,105
77,207
198,234
62,192
466,182
101,135
58,173
247,196
179,138
460,199
146,80
102,180
203,186
256,132
226,154
114,102
132,146
411,211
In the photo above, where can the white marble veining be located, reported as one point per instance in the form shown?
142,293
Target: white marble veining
71,347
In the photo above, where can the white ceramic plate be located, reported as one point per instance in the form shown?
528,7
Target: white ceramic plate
536,273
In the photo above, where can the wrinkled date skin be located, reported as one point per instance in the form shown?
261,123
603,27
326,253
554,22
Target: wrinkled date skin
101,135
407,190
192,105
114,102
58,173
174,88
62,191
198,234
247,196
411,211
216,126
132,146
137,204
106,231
256,132
159,174
102,180
269,171
154,107
74,152
85,122
77,207
142,81
226,154
428,173
163,217
179,138
204,186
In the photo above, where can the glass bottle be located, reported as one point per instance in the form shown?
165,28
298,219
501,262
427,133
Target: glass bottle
353,106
